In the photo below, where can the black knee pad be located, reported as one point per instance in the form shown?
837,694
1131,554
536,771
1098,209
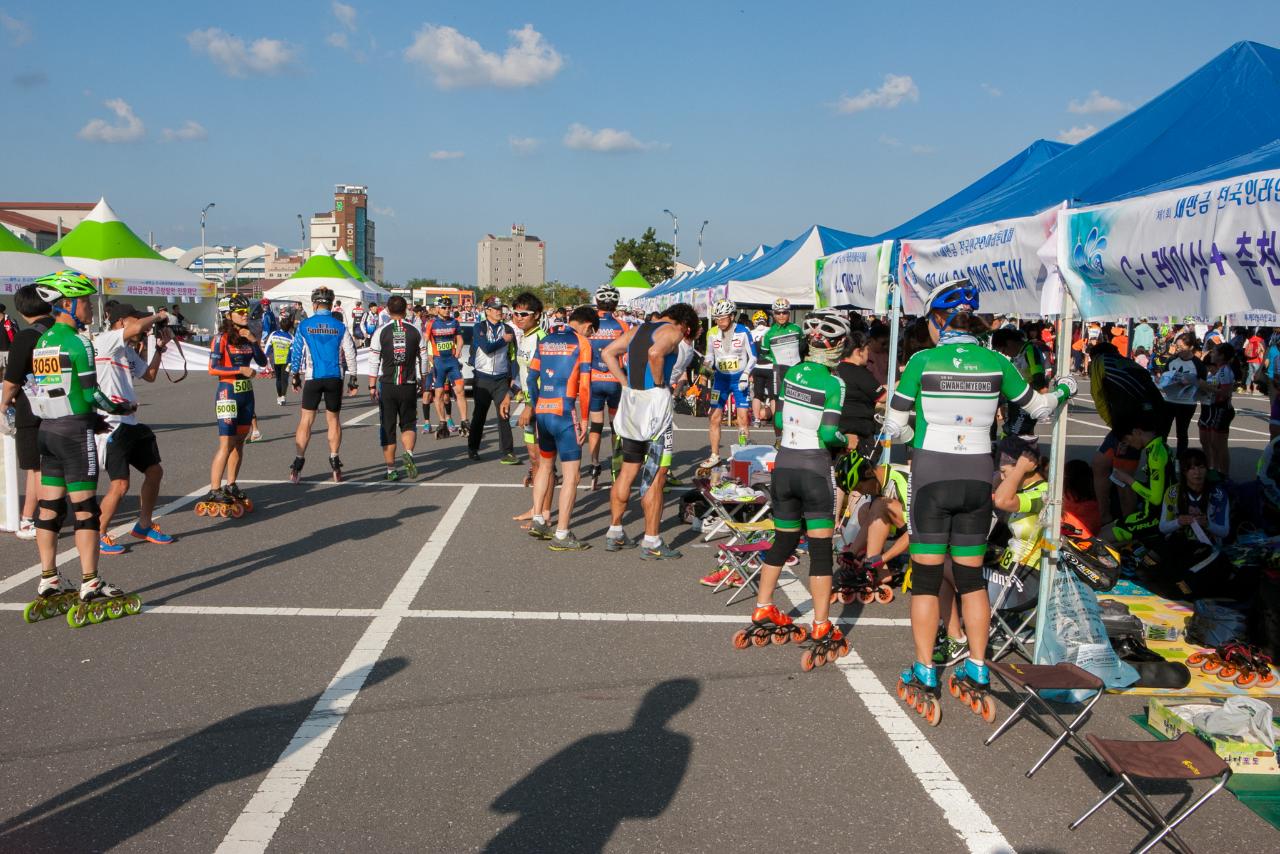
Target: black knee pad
59,508
784,546
968,578
926,580
819,558
597,427
90,506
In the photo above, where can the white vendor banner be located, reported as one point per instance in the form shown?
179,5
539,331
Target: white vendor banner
1000,258
1208,251
854,278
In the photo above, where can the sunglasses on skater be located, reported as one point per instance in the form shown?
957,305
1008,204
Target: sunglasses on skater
523,313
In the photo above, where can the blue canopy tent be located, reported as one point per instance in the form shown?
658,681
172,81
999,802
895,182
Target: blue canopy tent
1260,159
788,270
1013,170
693,282
1209,117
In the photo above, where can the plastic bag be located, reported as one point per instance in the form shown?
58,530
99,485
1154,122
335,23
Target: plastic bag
1074,632
1243,717
1215,623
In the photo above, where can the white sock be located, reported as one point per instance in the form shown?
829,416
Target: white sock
652,542
615,532
976,662
561,535
539,520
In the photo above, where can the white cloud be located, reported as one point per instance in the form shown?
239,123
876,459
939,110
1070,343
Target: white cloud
606,140
1076,134
891,141
128,129
19,31
338,40
191,131
447,155
346,15
237,59
895,89
1098,103
456,61
991,90
523,144
387,212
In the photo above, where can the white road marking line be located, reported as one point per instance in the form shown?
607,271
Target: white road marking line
350,422
398,484
31,573
453,614
940,783
261,817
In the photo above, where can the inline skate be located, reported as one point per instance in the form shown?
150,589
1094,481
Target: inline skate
854,580
218,504
973,688
237,496
528,476
54,597
295,469
595,477
99,601
443,431
826,643
918,688
1244,664
768,624
335,465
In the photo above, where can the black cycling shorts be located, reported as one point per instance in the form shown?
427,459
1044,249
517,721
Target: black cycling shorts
762,384
397,410
131,445
330,389
950,515
803,494
28,448
68,453
635,450
1216,416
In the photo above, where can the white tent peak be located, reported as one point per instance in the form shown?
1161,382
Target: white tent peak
102,212
342,255
320,250
628,266
702,265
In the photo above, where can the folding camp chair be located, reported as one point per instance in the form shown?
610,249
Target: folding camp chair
1010,626
1185,758
746,560
721,514
1030,680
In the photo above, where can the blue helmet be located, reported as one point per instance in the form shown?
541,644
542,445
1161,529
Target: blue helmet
954,296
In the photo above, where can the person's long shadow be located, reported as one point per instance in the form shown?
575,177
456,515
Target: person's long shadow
576,799
114,806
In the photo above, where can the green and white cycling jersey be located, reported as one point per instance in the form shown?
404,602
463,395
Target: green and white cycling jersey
809,418
63,381
781,345
526,346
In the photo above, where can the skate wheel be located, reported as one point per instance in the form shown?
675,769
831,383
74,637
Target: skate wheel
799,634
740,639
806,661
199,509
133,604
953,686
792,561
902,690
1228,672
846,598
989,709
844,648
884,594
835,597
819,659
248,505
97,613
865,597
236,511
1212,665
975,704
115,609
922,706
1246,678
759,640
78,617
832,654
1196,659
933,714
65,604
1266,680
34,612
50,610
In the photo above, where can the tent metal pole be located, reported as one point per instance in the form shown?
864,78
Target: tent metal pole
1052,516
891,375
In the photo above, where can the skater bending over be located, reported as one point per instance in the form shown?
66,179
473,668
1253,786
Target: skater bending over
953,389
803,487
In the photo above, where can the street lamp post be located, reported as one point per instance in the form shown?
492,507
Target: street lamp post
700,230
203,211
303,230
675,230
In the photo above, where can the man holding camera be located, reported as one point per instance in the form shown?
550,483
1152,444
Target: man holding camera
129,444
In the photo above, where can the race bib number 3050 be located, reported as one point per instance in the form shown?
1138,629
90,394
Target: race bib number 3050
46,365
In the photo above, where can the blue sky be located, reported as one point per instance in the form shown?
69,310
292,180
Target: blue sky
582,121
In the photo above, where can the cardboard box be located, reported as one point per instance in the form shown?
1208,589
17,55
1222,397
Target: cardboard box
1244,757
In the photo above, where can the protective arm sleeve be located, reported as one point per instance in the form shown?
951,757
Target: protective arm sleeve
829,428
375,357
295,350
1039,405
217,354
1157,462
259,355
751,351
1169,512
349,350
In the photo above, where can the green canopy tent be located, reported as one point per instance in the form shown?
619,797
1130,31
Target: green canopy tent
323,270
354,272
21,264
630,283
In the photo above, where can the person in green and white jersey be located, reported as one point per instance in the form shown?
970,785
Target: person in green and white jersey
804,498
954,390
780,346
63,391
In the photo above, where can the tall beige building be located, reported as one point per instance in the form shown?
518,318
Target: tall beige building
505,262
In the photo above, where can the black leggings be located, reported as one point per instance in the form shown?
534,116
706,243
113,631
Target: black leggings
486,391
1182,415
282,380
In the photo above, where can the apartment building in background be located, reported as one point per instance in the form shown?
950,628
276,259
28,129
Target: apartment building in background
518,259
348,227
